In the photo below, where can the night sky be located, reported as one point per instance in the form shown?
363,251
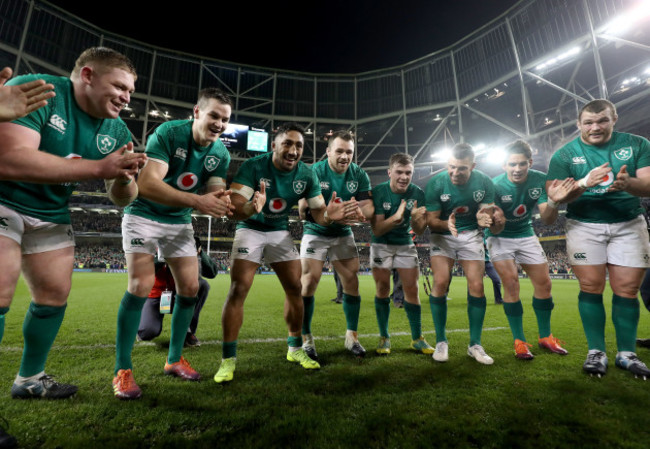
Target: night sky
331,36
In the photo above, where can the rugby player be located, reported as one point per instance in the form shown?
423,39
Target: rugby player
184,156
263,231
337,174
454,198
605,229
517,191
396,211
77,136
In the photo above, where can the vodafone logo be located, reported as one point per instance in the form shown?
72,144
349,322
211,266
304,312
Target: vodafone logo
520,210
461,210
277,205
608,179
73,156
187,180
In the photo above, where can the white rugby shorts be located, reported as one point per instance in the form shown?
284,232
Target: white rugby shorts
467,246
274,246
625,244
525,250
141,235
319,247
32,234
393,256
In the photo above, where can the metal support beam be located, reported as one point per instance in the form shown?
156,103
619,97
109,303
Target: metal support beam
495,121
524,101
372,150
602,84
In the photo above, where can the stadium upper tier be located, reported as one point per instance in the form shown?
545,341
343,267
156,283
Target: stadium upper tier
523,75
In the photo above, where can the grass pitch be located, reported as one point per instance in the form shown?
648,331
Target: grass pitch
402,400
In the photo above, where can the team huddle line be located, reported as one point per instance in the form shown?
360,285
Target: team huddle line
70,131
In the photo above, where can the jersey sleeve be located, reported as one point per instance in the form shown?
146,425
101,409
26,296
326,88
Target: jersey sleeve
420,198
644,153
543,198
157,147
377,201
489,191
432,196
558,167
246,175
313,189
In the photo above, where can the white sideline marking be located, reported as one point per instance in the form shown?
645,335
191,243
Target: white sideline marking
248,340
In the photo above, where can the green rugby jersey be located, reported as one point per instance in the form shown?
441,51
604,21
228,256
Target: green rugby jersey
596,205
464,200
352,183
387,202
189,168
518,202
283,191
66,131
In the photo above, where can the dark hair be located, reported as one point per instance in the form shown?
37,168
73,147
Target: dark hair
519,147
290,126
463,151
341,134
400,159
213,93
596,106
102,57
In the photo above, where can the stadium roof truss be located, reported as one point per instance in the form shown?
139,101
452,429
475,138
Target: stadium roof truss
523,75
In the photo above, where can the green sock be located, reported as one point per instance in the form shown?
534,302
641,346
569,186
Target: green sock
181,317
625,315
229,349
543,308
40,327
476,314
3,312
438,306
414,314
351,308
128,320
294,342
382,309
592,314
515,312
308,305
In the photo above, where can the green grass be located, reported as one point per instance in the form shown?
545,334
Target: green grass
400,401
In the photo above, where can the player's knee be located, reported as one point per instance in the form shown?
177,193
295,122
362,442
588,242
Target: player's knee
475,287
293,288
141,285
238,292
309,284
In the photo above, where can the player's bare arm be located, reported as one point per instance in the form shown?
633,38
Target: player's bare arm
418,218
336,211
246,206
22,99
558,191
22,160
152,187
382,225
436,224
302,208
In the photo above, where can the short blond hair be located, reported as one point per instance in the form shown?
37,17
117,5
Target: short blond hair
104,57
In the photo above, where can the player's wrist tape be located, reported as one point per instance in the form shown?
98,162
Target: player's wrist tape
583,182
327,218
552,204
